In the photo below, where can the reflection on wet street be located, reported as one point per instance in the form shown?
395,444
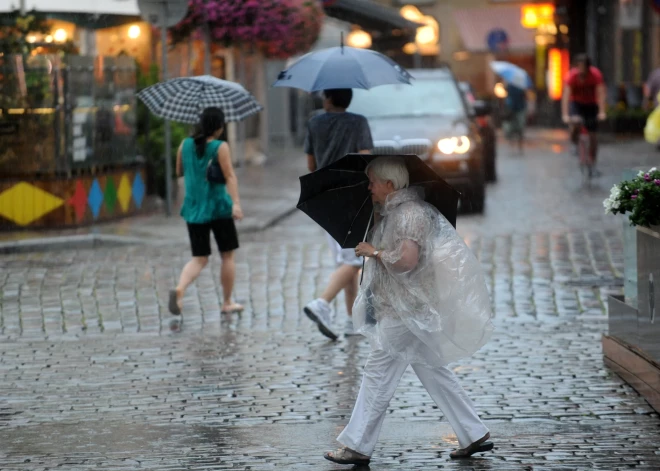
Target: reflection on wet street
96,374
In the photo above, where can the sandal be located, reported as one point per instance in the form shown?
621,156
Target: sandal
232,308
479,446
173,305
347,456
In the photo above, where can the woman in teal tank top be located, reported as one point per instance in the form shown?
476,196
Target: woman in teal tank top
208,207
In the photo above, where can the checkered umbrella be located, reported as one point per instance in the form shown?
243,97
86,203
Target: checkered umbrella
183,99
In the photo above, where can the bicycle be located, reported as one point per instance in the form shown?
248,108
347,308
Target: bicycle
587,160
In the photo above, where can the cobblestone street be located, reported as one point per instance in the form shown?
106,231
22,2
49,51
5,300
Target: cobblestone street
96,374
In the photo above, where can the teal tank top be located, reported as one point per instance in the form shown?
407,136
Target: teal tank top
204,201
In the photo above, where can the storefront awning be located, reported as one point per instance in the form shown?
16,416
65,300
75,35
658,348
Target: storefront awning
474,25
368,14
94,7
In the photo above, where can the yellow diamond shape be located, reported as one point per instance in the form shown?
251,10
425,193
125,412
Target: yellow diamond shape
24,203
124,193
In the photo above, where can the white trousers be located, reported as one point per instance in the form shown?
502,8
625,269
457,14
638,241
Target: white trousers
382,374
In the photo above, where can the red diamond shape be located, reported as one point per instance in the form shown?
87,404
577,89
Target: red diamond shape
79,200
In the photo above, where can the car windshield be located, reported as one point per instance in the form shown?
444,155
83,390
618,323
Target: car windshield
424,97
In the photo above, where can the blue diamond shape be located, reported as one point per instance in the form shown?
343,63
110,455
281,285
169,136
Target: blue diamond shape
95,198
138,190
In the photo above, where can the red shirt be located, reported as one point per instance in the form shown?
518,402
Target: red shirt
584,91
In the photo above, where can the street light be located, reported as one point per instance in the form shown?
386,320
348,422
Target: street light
60,35
427,36
412,13
134,32
358,38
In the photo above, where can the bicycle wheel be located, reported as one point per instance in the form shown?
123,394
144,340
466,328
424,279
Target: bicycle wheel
584,150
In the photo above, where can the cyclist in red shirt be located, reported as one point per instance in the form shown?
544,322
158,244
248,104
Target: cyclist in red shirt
584,96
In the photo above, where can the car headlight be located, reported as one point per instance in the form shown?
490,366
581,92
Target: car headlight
454,145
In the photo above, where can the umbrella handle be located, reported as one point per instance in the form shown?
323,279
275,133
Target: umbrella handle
365,238
362,274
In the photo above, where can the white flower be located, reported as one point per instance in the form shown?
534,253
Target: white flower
612,202
641,173
615,192
652,170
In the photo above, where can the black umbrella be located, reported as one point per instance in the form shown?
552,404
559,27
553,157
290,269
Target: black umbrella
337,198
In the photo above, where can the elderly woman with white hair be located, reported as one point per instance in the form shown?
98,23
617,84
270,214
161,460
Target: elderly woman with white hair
423,302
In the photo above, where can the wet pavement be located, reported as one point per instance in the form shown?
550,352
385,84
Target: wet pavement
95,374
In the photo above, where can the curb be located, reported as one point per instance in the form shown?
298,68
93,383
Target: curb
91,241
268,224
73,242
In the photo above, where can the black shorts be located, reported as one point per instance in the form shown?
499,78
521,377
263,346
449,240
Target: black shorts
588,113
224,232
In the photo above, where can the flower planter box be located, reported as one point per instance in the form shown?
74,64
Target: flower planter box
632,347
648,290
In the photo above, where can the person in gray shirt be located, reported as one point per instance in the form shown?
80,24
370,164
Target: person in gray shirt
330,136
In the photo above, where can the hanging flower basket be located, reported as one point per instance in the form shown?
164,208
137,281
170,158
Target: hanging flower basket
639,198
276,28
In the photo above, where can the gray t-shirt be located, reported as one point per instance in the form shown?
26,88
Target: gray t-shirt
330,136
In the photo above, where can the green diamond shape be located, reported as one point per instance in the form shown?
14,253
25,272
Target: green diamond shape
110,195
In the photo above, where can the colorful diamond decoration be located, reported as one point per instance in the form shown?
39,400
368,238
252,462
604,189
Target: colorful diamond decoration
95,198
124,193
110,194
24,203
79,201
138,190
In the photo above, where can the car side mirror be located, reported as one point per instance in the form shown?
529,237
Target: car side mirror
481,108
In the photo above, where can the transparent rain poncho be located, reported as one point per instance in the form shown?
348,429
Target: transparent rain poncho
426,299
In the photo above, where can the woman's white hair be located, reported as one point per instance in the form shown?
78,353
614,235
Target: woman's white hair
392,169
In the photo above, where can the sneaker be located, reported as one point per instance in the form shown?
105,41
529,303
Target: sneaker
319,311
349,331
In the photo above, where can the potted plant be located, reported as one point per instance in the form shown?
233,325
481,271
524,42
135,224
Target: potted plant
639,198
632,345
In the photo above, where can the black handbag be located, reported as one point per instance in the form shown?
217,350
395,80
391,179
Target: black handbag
214,172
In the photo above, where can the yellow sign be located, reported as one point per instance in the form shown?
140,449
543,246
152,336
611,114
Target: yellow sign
24,203
533,15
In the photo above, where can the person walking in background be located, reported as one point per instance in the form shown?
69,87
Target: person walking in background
208,207
516,112
330,136
652,102
652,88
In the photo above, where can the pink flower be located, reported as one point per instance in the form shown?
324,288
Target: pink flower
657,181
647,177
279,28
633,197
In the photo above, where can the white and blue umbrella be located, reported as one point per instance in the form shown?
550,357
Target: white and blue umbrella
342,67
512,74
183,99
